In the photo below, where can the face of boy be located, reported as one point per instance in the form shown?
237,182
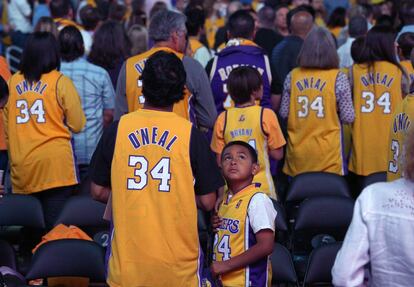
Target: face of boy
237,164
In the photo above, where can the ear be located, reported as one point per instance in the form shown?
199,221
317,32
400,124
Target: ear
255,168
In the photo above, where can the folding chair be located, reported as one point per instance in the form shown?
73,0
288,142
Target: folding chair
281,225
283,270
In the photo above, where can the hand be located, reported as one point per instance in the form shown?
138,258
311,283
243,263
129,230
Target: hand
218,268
216,222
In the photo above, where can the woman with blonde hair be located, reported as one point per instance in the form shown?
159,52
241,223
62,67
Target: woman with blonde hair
316,100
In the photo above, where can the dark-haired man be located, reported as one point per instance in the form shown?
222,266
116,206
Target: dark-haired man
240,50
158,168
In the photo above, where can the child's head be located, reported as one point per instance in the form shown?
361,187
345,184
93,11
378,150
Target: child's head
239,162
243,84
4,92
405,45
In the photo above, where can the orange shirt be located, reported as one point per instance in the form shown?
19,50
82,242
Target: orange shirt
5,74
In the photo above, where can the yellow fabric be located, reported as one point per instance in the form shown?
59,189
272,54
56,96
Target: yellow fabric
135,99
401,123
375,101
155,240
232,238
336,31
257,126
236,42
195,45
409,69
36,124
63,22
211,26
314,130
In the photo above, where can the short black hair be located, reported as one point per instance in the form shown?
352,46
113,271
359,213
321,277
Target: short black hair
90,17
40,56
241,24
406,44
59,8
195,19
71,44
242,82
4,92
358,52
251,150
163,79
358,26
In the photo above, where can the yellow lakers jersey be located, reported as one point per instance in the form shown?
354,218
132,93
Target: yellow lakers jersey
245,124
235,236
155,240
377,93
211,26
38,140
314,129
401,123
409,69
194,45
135,100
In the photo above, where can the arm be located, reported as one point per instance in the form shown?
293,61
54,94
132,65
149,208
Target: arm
206,202
344,99
69,100
348,269
121,105
276,154
284,107
24,8
99,192
108,116
275,138
217,139
263,248
108,96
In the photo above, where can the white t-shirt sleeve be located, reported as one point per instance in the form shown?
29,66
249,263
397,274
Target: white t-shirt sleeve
262,213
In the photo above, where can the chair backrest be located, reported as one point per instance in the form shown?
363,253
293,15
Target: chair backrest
7,255
324,212
13,57
320,264
68,257
374,178
83,211
21,210
311,184
280,222
283,270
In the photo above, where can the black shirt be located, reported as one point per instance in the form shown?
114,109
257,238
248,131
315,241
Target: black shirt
267,39
203,164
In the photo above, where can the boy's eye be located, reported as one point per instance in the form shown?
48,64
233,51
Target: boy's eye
242,156
227,158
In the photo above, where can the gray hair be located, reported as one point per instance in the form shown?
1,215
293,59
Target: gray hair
165,22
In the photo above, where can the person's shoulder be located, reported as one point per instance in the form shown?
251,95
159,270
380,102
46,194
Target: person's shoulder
191,64
261,200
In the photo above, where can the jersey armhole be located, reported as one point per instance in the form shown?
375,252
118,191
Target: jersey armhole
261,121
225,123
56,93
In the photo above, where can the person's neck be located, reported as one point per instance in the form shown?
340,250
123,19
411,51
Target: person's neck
148,106
247,104
236,187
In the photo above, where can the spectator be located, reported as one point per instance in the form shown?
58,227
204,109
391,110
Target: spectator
117,12
281,20
42,110
405,45
96,93
46,24
138,39
41,9
90,18
19,12
358,26
406,13
266,36
284,55
167,30
380,233
337,21
221,37
312,95
109,49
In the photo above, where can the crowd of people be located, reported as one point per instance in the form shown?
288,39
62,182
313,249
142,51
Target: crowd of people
169,106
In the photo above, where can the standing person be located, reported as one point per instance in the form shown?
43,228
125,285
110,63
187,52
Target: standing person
266,36
406,14
239,50
42,111
96,93
377,90
253,124
245,223
157,167
167,30
312,96
19,12
380,234
405,45
281,25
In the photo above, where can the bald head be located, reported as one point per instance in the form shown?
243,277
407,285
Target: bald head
301,24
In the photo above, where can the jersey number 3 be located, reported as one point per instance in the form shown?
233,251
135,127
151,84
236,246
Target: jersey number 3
26,112
161,172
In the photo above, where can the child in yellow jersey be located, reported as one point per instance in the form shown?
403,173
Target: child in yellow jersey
245,223
250,123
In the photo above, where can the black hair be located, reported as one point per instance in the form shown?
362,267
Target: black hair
40,56
358,52
241,24
195,19
4,92
337,18
90,17
71,44
385,20
242,82
406,44
251,150
406,12
357,26
59,8
163,79
117,11
109,45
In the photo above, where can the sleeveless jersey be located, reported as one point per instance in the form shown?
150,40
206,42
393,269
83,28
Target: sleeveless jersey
39,142
135,100
402,121
194,45
155,239
238,52
409,68
245,124
314,128
235,236
377,93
